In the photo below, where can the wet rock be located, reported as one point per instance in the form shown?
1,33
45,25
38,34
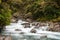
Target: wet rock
33,31
26,25
5,37
29,20
18,30
40,25
35,23
37,27
43,24
56,27
22,33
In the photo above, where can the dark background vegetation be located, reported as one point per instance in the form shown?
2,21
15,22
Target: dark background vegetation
39,10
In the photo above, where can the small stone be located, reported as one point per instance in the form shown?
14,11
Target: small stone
17,29
26,25
29,20
33,31
22,33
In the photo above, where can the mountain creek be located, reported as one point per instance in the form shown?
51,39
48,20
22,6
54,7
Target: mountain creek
23,30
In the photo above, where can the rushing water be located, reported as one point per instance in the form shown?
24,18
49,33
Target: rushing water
25,34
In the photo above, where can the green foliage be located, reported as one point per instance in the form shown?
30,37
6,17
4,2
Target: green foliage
44,11
40,10
51,12
5,14
0,1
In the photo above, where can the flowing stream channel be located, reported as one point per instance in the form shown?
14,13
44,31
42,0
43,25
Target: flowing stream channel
18,32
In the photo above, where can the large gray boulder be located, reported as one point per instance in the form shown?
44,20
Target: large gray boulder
55,27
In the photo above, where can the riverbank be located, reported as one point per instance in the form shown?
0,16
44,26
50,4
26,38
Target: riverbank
5,37
25,30
53,26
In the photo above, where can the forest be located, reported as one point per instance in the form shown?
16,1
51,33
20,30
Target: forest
38,10
29,19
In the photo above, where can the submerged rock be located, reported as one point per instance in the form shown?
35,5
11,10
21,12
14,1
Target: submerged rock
26,25
18,30
22,33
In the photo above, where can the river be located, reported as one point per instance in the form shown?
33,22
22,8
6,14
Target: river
18,32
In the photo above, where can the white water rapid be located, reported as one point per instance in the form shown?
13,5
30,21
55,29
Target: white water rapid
18,32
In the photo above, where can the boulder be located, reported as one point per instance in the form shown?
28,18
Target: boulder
56,27
35,23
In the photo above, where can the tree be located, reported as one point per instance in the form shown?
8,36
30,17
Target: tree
5,15
44,10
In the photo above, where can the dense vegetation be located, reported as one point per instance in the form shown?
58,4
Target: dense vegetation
40,10
44,10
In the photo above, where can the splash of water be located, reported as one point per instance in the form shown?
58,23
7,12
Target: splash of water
17,28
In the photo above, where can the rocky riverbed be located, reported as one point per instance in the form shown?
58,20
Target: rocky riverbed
55,27
23,30
5,37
